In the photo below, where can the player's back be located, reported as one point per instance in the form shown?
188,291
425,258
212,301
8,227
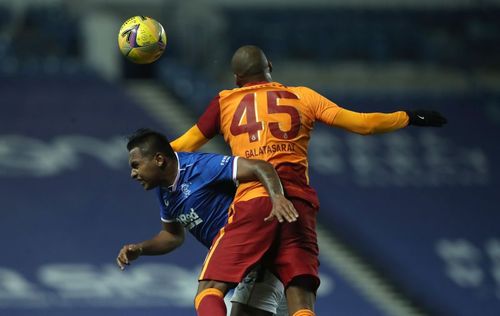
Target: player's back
272,122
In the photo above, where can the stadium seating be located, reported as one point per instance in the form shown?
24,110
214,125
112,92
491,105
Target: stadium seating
419,205
453,37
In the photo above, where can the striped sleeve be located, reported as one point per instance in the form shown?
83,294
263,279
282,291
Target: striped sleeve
190,141
209,122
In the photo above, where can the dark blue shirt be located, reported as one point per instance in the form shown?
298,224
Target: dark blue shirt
201,194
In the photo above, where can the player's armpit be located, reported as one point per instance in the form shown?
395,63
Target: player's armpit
191,140
370,123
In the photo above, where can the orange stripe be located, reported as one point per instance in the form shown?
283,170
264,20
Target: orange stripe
215,244
304,312
307,173
205,292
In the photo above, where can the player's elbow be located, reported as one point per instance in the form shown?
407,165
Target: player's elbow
367,128
173,244
179,241
262,166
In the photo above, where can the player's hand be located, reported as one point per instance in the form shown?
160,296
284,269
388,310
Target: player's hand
283,209
128,253
426,118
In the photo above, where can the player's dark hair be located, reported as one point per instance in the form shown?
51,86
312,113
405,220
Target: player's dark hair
249,60
150,142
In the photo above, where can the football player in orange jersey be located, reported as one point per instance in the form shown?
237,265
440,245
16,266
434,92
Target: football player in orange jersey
267,120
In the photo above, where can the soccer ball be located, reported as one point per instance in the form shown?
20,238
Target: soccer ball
142,39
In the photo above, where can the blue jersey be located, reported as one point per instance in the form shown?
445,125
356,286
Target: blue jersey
201,194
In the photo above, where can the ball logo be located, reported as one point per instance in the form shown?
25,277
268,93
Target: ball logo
142,39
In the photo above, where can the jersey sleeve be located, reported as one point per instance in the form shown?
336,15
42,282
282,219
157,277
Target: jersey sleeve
190,141
165,214
219,168
370,123
320,108
209,122
331,114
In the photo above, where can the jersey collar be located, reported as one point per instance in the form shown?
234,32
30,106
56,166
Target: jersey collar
248,84
173,186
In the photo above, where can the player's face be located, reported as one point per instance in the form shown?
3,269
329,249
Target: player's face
144,169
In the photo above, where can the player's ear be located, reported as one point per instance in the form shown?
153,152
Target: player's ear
237,80
159,159
270,65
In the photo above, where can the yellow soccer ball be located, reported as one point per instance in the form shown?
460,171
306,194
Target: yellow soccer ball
142,39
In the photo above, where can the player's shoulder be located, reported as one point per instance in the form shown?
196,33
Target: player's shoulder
301,89
189,158
224,93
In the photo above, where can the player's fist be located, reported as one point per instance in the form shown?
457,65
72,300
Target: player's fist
128,253
426,118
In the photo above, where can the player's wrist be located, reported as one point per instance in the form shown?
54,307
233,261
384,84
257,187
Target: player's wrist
277,196
140,249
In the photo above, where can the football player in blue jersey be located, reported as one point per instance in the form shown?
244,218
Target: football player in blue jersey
195,191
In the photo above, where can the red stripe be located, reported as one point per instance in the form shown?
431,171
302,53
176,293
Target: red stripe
209,122
295,183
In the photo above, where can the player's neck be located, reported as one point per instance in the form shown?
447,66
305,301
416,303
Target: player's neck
252,80
171,171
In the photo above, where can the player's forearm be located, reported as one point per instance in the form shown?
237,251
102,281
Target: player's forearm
259,170
268,176
370,123
190,141
161,244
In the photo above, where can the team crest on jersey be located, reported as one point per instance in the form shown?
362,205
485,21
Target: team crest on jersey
185,189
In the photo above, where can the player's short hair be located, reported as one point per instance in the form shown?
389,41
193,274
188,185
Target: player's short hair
150,142
249,60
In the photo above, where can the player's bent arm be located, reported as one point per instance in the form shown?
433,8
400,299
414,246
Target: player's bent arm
370,123
169,238
259,170
252,170
191,140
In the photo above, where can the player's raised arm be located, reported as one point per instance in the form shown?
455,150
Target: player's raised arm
376,123
370,123
206,128
330,113
191,140
168,239
252,170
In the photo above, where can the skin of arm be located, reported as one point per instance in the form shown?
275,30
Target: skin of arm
252,170
169,238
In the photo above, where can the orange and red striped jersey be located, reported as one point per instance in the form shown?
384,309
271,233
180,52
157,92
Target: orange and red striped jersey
273,122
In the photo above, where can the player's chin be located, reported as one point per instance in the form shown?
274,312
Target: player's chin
148,186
